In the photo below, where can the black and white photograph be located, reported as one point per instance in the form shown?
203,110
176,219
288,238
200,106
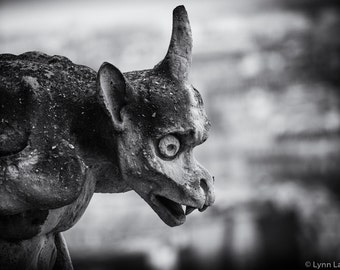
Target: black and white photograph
169,135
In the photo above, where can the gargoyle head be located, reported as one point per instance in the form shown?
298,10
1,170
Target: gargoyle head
159,118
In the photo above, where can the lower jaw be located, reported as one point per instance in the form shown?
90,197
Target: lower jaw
169,218
172,220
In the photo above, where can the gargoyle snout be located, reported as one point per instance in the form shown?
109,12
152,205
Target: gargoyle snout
207,187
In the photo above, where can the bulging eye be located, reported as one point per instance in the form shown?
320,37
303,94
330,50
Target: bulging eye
169,146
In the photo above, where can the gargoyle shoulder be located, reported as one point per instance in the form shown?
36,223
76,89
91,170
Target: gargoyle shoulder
37,88
40,96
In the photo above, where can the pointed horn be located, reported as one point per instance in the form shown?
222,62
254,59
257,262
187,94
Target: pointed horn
177,61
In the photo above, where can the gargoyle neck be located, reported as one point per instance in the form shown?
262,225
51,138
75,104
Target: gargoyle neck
98,148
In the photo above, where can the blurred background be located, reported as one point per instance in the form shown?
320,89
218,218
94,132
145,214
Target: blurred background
269,73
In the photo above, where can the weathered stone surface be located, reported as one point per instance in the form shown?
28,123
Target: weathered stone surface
40,97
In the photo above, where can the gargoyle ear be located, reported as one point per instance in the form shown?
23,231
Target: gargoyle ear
112,92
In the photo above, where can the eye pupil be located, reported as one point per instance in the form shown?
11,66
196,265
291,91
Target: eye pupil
169,146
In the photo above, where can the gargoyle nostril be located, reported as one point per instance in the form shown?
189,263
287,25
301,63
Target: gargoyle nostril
204,186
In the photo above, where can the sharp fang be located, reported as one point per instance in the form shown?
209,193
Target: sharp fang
189,210
183,208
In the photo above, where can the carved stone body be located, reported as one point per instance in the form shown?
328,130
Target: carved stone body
67,132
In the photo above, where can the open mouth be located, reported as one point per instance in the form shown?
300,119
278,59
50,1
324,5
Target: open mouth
171,212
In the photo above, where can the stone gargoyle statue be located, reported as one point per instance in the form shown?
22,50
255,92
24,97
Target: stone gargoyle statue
67,132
